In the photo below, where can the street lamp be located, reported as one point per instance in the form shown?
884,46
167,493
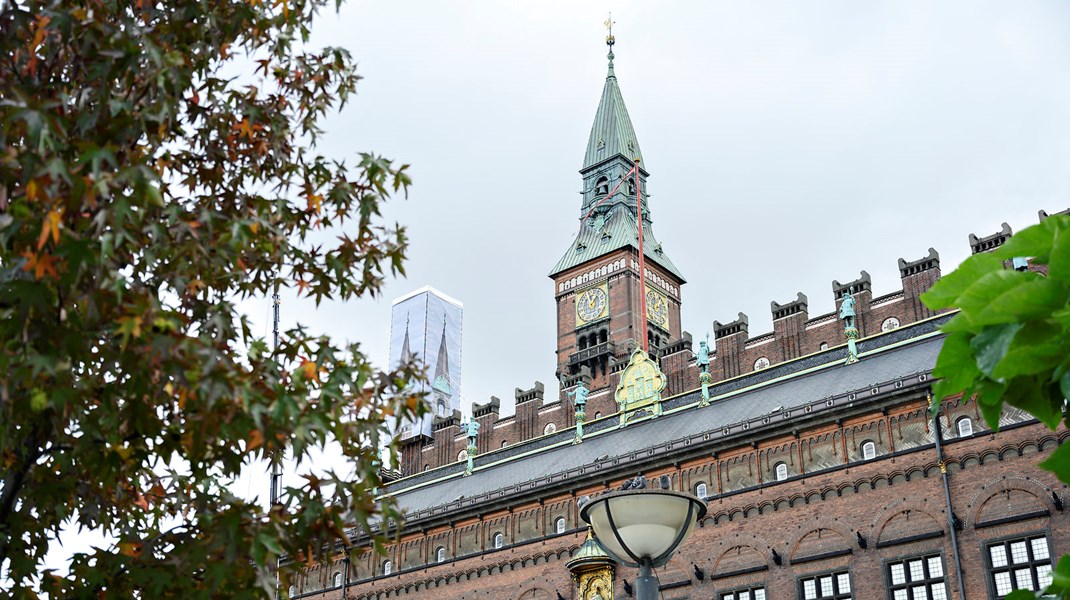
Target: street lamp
642,528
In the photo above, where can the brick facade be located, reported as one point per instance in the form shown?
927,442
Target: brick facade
812,520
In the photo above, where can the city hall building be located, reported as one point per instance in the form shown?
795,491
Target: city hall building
824,472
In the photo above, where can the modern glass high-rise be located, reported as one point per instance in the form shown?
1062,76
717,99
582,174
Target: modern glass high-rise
426,325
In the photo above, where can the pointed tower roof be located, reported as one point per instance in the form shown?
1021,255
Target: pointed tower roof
612,133
442,368
406,349
613,145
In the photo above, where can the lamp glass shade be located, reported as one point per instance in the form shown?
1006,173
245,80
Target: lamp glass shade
648,523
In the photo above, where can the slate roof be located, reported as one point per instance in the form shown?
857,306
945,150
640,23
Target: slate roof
619,230
730,406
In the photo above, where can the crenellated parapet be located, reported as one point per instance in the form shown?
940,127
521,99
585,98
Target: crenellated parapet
734,352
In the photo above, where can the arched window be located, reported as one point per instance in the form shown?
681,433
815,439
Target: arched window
583,342
700,490
440,554
462,455
601,187
292,591
559,525
499,540
426,466
824,346
337,579
598,415
505,443
550,428
965,426
781,471
388,567
869,450
603,336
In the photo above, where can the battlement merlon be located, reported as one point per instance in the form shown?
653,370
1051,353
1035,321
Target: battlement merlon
490,408
537,392
794,307
990,242
914,267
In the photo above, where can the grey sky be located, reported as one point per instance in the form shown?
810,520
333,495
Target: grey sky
789,144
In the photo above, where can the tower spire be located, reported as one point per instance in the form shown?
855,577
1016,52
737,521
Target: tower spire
610,40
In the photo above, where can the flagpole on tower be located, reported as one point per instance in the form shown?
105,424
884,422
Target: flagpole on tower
642,260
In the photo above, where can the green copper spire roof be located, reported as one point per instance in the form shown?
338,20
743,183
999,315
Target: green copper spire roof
612,132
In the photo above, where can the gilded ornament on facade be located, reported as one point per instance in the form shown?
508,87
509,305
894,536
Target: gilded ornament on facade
639,391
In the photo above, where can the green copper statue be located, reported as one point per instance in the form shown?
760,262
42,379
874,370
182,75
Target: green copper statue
847,310
580,396
703,359
847,313
471,429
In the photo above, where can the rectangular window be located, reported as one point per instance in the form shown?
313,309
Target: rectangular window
917,578
751,593
828,586
1019,564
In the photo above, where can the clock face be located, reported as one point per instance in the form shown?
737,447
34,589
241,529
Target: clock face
591,305
657,308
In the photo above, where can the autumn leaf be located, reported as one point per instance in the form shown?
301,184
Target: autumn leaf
256,439
49,228
309,369
41,265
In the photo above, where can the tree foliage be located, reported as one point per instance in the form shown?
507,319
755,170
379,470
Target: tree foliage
143,195
1010,341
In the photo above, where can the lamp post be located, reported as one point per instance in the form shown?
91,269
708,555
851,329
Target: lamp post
642,528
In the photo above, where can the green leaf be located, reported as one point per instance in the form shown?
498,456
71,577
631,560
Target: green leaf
1010,296
946,291
1059,261
1020,595
1060,582
956,366
1038,347
1034,241
989,395
1059,463
991,345
1032,396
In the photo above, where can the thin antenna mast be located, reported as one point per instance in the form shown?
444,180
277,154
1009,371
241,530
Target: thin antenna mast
276,472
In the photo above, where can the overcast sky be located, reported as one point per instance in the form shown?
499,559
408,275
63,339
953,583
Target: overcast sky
789,144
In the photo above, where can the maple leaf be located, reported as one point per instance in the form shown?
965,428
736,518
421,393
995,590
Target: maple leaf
244,128
129,326
50,227
41,265
309,369
255,440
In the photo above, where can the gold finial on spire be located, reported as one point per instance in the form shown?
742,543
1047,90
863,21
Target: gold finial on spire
610,40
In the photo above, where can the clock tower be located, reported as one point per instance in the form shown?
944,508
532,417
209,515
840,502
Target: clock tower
597,281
